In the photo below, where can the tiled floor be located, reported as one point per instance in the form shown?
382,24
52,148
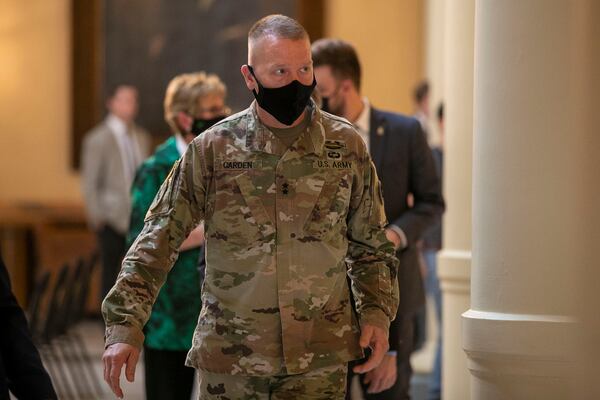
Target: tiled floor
92,334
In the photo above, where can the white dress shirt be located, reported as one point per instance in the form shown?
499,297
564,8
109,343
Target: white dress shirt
130,153
180,143
363,122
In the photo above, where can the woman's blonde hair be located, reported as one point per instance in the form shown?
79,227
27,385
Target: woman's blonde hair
184,91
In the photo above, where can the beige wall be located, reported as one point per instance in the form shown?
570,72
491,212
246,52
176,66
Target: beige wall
35,102
388,35
35,82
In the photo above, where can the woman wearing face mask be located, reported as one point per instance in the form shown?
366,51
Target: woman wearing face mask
193,103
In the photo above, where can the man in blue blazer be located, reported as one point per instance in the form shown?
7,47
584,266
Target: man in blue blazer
412,196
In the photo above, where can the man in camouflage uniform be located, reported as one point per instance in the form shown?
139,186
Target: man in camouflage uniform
291,205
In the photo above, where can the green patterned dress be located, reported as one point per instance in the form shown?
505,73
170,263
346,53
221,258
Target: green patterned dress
175,313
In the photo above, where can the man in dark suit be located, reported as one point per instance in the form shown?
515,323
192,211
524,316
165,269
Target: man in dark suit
21,369
411,191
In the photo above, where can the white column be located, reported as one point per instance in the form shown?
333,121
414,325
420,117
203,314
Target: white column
531,182
434,61
455,258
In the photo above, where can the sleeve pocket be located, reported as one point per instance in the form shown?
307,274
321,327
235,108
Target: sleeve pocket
162,203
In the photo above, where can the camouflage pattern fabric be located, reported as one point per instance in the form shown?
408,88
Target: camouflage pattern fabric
327,383
284,228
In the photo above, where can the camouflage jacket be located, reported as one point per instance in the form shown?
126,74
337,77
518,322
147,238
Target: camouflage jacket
285,227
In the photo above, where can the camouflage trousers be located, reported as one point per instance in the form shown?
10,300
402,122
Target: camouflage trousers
327,383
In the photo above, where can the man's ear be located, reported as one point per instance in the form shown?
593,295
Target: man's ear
346,86
248,78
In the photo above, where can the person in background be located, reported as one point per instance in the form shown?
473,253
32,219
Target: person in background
421,99
404,163
421,102
432,243
193,103
292,207
21,369
111,153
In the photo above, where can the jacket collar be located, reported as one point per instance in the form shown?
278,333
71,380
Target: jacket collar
377,137
260,138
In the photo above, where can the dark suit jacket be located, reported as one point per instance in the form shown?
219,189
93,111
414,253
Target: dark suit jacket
405,165
21,370
432,240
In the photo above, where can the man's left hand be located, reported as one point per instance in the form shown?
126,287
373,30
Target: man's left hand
383,376
377,339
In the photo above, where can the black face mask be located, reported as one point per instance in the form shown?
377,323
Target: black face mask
285,103
200,125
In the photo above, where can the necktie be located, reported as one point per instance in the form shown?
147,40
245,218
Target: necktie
131,156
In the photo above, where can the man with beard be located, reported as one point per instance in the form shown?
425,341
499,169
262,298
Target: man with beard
404,163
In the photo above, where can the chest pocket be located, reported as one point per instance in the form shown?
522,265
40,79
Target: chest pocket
239,218
327,219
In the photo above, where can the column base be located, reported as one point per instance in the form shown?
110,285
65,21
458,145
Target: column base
519,356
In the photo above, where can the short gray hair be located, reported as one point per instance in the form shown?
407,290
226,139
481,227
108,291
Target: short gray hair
277,25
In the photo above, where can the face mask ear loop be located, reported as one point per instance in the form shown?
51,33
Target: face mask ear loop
255,78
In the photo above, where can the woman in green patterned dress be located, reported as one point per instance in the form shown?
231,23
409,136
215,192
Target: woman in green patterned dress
193,102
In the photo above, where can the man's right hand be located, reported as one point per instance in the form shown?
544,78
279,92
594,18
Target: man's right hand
377,339
114,357
393,237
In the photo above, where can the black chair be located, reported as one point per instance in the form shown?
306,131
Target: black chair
64,332
83,290
75,314
36,326
60,343
33,310
79,314
50,331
